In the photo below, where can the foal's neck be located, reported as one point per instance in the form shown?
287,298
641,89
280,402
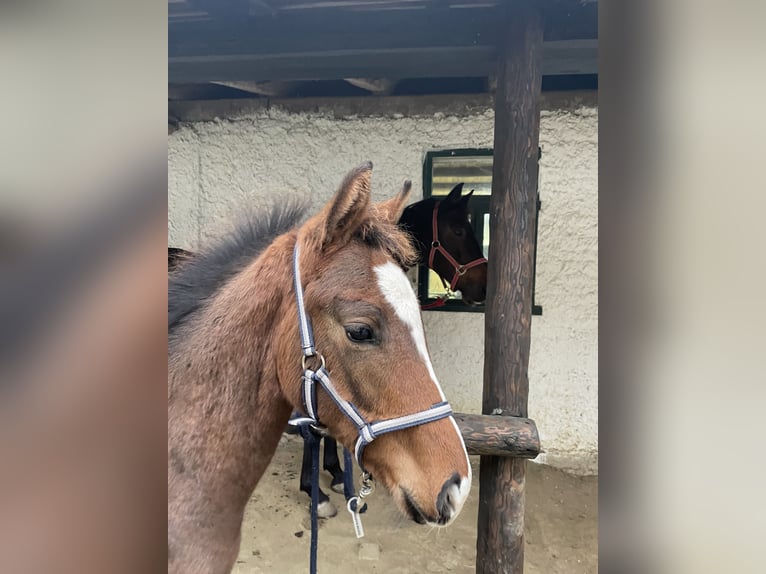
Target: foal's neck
224,394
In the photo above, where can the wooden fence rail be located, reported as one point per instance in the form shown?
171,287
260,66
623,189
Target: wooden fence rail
498,435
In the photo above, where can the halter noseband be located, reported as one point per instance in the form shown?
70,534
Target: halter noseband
368,432
436,246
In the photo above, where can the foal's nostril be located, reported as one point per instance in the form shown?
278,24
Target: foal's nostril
448,498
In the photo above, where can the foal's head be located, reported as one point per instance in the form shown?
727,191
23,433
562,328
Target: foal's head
367,325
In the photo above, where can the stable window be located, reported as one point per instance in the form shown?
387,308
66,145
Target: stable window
442,170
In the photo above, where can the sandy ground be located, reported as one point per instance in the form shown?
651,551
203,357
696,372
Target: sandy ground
561,528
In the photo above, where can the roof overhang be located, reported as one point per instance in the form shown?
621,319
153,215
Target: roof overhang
291,40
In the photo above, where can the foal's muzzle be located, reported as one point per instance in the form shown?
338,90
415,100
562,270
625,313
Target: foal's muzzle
450,500
448,503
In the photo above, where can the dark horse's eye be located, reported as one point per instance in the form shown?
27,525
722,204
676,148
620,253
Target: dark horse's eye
458,231
359,333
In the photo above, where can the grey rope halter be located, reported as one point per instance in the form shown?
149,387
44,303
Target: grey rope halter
367,431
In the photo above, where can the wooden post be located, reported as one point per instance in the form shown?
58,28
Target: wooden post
500,543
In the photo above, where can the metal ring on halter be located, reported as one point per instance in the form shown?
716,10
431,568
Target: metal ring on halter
461,270
321,358
435,243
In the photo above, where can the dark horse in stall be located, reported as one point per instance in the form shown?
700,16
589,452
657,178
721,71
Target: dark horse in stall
234,367
445,241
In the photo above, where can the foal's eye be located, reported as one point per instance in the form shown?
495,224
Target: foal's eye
359,333
457,231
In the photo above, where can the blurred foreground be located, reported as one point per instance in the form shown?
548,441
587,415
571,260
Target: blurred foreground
83,287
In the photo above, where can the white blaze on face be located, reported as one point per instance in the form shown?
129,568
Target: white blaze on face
397,290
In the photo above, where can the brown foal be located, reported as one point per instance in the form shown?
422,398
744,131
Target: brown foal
234,367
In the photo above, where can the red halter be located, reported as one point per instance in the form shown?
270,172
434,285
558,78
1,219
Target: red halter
460,269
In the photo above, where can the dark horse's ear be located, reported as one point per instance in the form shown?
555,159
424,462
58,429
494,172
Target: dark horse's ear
391,209
344,213
454,195
466,197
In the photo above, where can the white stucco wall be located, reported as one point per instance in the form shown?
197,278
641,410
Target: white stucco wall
216,166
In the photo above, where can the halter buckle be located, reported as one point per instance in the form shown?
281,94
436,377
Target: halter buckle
461,270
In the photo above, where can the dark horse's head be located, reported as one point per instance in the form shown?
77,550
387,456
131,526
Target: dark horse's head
455,235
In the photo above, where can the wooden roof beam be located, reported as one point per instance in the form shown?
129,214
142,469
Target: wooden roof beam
379,86
563,57
270,89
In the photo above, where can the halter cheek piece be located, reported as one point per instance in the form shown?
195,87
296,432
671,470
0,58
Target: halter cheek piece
368,431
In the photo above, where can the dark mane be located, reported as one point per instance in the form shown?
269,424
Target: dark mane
199,277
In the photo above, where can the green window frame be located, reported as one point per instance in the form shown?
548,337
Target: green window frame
477,166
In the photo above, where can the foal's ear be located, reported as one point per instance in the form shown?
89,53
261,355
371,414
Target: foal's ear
345,212
454,195
391,209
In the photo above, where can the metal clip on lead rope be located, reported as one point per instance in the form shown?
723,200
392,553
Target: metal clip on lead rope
355,504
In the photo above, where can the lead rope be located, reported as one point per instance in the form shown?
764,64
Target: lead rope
312,438
441,301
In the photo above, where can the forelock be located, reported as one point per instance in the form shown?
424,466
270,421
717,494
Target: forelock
394,241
